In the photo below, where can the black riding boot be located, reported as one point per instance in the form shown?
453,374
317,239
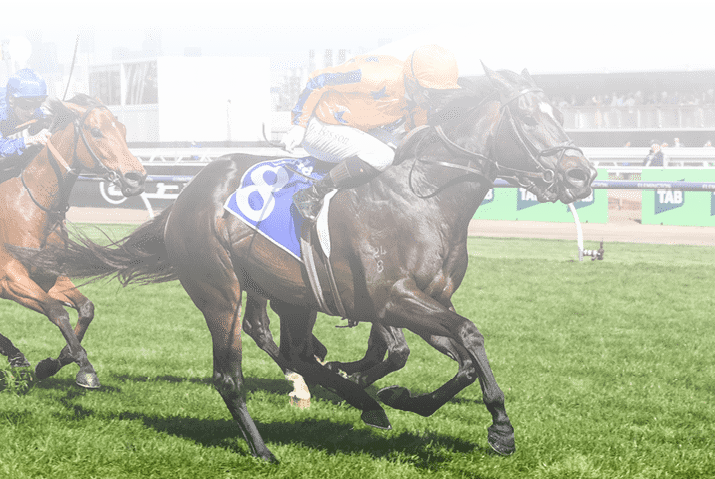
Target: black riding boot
347,174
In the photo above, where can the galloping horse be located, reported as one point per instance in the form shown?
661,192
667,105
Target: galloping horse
85,136
415,214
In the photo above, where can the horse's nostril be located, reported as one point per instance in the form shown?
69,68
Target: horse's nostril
577,177
135,178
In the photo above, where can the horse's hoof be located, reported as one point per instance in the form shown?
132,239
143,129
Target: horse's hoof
46,368
87,380
19,361
394,396
502,442
376,418
269,458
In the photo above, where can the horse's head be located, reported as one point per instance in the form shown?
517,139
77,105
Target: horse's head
530,146
99,142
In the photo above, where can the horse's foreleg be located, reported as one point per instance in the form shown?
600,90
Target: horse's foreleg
411,308
373,365
26,292
14,355
65,292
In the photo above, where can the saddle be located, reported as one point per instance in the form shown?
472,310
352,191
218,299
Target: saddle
315,251
264,201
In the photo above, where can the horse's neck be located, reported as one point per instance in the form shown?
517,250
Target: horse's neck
46,179
456,204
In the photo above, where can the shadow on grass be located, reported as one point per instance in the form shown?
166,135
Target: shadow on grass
61,384
422,450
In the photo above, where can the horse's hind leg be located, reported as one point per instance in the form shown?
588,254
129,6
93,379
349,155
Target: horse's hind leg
14,355
215,290
26,292
66,292
296,354
373,365
256,324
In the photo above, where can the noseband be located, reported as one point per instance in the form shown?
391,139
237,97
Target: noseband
74,171
543,170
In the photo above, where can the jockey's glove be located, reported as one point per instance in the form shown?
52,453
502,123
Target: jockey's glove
38,139
293,138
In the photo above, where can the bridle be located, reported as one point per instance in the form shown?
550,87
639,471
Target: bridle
73,172
491,168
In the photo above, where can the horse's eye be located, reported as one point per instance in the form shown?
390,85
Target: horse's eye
96,132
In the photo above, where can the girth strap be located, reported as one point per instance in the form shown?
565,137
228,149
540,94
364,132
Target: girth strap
320,272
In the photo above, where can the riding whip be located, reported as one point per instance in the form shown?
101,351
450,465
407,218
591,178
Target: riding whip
74,58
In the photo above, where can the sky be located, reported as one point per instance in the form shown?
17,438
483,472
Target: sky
545,36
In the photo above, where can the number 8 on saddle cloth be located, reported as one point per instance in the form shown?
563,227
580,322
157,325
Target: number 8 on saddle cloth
264,199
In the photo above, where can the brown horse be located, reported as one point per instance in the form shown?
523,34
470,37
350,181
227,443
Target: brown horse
85,136
414,216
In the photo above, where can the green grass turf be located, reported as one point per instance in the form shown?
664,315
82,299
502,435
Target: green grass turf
607,368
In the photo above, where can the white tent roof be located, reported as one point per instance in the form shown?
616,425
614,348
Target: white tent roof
543,50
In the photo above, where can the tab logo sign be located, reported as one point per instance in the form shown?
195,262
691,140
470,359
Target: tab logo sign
488,198
666,200
525,199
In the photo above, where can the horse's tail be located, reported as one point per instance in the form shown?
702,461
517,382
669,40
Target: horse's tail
138,258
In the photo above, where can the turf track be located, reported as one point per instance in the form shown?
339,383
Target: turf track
608,370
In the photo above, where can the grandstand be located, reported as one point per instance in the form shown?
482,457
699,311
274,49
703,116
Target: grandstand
587,64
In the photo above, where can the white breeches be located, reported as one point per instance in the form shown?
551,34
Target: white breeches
335,143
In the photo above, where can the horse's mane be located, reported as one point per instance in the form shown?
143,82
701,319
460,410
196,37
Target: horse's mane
60,115
57,118
458,103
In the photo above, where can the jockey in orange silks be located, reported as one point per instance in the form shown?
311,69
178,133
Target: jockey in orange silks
352,115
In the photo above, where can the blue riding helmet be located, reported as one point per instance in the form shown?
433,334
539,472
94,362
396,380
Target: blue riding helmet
27,84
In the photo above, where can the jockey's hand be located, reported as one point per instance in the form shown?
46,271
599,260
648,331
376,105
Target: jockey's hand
293,138
38,139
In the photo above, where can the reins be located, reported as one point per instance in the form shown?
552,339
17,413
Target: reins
473,157
521,177
52,153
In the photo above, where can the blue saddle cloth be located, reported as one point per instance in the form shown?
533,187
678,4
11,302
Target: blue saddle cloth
264,201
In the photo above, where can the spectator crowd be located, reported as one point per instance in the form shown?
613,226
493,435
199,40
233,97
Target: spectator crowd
637,98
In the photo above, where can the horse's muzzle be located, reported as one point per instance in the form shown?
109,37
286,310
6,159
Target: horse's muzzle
577,179
132,183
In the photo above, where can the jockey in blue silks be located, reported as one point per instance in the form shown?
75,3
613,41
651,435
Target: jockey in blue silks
20,110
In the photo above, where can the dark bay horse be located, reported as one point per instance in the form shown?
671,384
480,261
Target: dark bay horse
85,136
414,216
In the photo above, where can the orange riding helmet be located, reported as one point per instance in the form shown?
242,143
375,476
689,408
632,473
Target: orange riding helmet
432,66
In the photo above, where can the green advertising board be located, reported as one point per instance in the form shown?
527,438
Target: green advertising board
674,207
497,205
518,204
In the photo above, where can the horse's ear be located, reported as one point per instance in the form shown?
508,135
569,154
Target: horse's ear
497,80
527,77
559,116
